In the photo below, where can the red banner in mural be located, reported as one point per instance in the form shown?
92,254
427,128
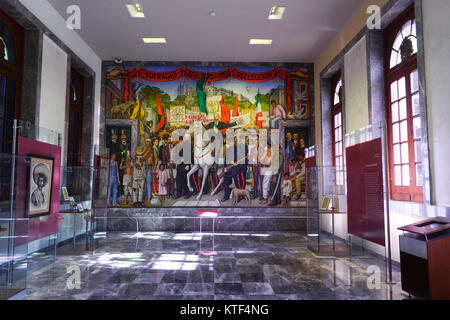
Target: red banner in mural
184,72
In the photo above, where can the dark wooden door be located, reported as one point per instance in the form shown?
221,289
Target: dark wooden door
75,119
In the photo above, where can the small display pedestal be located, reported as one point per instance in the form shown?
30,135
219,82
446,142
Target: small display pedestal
425,258
75,212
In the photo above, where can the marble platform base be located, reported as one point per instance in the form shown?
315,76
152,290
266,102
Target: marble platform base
186,220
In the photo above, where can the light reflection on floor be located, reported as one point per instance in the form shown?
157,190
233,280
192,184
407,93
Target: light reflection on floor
225,265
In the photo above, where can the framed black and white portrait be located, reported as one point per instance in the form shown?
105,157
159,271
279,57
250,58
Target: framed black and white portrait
40,186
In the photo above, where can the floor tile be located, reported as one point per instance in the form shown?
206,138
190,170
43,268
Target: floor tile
162,266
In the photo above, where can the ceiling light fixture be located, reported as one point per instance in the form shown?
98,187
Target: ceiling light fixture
212,13
135,10
276,13
261,41
154,40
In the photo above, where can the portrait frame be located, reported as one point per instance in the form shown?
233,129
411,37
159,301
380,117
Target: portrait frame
40,166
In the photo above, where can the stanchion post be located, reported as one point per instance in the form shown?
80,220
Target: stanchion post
386,183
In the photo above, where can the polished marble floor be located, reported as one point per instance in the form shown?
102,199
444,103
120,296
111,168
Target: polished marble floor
231,266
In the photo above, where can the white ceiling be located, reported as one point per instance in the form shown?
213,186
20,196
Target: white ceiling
193,35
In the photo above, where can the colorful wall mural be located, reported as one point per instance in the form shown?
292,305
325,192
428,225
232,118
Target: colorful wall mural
145,104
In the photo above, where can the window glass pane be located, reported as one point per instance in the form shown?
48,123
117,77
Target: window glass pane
414,81
396,133
397,159
336,135
403,110
405,172
8,40
415,104
336,149
404,130
414,44
419,176
401,88
398,175
413,29
406,29
339,122
394,91
399,59
12,54
394,56
405,153
395,112
398,42
417,128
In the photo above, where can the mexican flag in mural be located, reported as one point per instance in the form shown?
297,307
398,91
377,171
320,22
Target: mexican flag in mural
258,112
201,95
160,111
224,112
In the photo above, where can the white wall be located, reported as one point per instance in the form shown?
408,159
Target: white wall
52,112
57,25
437,68
355,86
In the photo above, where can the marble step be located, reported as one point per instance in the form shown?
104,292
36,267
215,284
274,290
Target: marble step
192,212
222,223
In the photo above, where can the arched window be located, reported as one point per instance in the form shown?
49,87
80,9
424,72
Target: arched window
11,64
337,128
7,45
405,44
337,93
403,109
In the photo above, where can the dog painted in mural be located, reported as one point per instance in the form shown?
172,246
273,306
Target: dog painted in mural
240,193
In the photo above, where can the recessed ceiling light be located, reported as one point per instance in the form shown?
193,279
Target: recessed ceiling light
135,10
261,41
154,40
212,13
276,13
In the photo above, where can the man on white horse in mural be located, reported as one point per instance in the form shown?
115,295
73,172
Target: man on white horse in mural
204,146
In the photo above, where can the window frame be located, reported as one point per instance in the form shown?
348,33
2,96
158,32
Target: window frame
335,110
413,192
11,73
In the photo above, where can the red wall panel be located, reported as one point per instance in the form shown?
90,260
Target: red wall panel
365,191
39,227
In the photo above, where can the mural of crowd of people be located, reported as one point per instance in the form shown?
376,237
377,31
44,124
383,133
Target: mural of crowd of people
146,105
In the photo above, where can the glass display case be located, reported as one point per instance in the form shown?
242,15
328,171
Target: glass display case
13,228
46,209
326,206
82,208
